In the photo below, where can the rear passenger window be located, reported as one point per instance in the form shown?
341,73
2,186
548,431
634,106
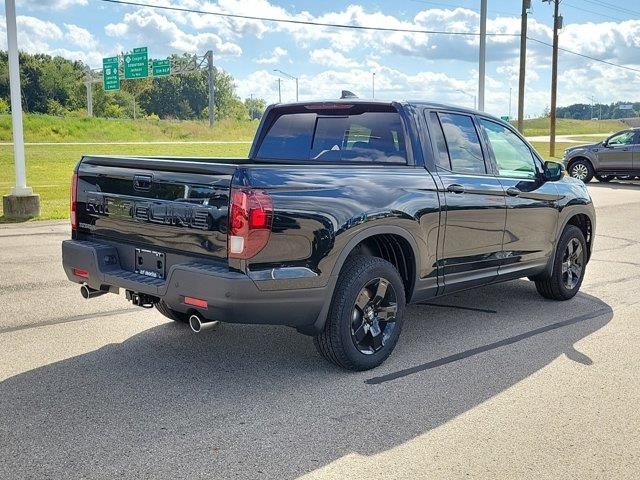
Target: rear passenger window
463,143
363,137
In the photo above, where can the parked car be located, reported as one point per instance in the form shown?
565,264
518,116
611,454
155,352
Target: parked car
616,157
345,212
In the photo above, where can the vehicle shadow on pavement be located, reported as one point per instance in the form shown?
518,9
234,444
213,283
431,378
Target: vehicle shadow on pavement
258,402
616,185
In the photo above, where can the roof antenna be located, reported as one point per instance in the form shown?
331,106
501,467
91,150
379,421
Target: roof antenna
348,94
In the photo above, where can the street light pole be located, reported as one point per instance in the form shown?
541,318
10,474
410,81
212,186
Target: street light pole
483,54
21,203
469,95
279,91
373,85
288,76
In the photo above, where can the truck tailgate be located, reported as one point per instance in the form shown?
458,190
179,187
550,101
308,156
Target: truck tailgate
168,205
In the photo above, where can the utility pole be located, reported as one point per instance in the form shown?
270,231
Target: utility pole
526,5
510,103
557,21
373,85
22,202
279,91
212,88
483,54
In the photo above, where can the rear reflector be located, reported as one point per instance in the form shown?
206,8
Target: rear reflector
196,302
78,272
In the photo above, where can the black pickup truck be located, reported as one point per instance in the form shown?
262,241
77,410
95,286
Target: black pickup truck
344,212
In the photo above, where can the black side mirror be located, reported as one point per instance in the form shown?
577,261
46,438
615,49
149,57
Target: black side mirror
553,171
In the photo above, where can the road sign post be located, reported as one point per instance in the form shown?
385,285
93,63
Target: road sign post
22,202
161,68
111,73
136,64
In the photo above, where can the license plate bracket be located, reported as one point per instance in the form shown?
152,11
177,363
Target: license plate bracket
150,263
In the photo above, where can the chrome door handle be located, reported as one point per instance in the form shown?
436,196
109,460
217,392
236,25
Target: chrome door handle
455,188
513,191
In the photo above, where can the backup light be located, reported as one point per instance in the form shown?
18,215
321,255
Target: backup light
250,219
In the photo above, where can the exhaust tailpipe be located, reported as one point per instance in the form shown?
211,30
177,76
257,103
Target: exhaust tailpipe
197,323
88,292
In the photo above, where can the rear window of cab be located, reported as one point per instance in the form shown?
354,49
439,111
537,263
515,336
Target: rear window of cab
371,136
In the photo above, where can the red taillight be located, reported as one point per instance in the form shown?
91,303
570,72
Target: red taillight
78,272
250,218
196,302
73,203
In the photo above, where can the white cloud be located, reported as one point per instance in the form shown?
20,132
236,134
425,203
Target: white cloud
277,54
147,27
55,4
331,58
34,34
79,36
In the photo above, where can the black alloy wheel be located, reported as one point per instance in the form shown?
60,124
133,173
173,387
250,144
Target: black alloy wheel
366,314
572,264
570,260
374,316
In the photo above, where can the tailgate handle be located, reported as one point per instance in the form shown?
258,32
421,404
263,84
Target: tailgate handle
142,182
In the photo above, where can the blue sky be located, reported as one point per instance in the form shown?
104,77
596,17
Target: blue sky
406,65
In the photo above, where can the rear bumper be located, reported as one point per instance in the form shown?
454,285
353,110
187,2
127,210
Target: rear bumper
231,296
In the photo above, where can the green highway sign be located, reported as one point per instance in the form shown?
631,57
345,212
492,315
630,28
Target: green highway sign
136,64
505,118
161,68
110,73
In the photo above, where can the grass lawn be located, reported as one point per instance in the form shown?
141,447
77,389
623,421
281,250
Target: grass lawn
566,126
49,167
543,149
47,128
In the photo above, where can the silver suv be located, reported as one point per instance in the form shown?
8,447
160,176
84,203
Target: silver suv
616,157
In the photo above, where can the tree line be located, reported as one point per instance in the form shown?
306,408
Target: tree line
587,111
56,86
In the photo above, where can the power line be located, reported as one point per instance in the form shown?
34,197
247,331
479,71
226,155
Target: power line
303,22
593,11
613,7
566,50
359,27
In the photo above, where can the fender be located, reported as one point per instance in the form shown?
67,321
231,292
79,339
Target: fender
567,213
318,325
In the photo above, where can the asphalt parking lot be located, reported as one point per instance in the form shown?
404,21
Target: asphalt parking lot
490,383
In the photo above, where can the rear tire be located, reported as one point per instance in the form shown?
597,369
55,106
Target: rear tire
164,309
366,315
582,170
568,266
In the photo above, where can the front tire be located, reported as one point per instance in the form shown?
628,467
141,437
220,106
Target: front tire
581,169
366,315
568,266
